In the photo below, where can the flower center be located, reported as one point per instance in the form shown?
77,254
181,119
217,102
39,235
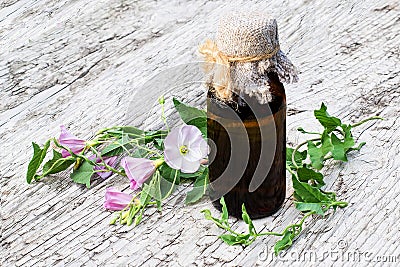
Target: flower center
184,150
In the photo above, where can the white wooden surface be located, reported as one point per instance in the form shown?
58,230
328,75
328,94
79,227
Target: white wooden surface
79,63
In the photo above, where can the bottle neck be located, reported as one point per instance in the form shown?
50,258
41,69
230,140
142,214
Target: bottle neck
246,105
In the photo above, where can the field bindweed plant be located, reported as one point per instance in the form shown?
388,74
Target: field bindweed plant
304,165
157,162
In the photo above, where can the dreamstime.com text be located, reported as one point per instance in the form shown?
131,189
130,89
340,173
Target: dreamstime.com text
337,254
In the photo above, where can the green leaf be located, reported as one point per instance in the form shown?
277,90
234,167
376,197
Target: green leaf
284,243
192,116
159,143
57,164
149,188
139,153
298,157
152,190
340,148
316,153
247,220
234,239
162,184
330,195
305,174
130,131
307,193
187,112
157,191
329,122
83,174
144,195
117,147
36,161
317,207
326,145
151,136
199,172
297,196
200,186
169,174
208,216
229,239
224,215
338,151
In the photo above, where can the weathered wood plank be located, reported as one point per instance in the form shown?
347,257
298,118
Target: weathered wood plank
80,63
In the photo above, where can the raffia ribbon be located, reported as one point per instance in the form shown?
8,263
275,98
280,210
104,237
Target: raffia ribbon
220,63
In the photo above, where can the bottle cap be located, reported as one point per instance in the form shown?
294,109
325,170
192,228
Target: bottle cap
245,50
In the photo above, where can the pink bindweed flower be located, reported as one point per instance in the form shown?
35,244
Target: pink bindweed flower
139,170
116,200
110,161
185,148
72,142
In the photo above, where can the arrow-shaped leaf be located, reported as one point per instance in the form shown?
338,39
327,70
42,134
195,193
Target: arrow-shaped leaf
37,159
83,174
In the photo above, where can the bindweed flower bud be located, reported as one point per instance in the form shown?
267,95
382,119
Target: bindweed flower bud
116,200
67,139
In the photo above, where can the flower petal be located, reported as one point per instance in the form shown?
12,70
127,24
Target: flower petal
204,148
115,199
173,157
138,170
198,149
190,166
67,139
173,139
172,143
110,161
189,134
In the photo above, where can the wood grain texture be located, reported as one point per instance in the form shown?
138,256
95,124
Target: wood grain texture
82,63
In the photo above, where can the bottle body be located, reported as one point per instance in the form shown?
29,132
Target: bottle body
249,163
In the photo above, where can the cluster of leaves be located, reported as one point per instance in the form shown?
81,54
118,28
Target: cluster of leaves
245,239
132,141
233,238
335,142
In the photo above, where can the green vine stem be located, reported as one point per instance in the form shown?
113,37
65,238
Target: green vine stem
172,186
366,120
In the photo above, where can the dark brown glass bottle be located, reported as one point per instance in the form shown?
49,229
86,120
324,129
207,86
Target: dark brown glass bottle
230,125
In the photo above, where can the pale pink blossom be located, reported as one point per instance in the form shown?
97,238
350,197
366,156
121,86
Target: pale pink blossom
139,170
185,148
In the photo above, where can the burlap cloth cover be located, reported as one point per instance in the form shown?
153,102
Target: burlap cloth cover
245,50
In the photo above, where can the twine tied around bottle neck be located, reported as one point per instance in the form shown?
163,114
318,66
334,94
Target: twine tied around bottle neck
219,64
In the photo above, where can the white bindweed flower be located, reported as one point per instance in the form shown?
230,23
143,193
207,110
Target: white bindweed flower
184,148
